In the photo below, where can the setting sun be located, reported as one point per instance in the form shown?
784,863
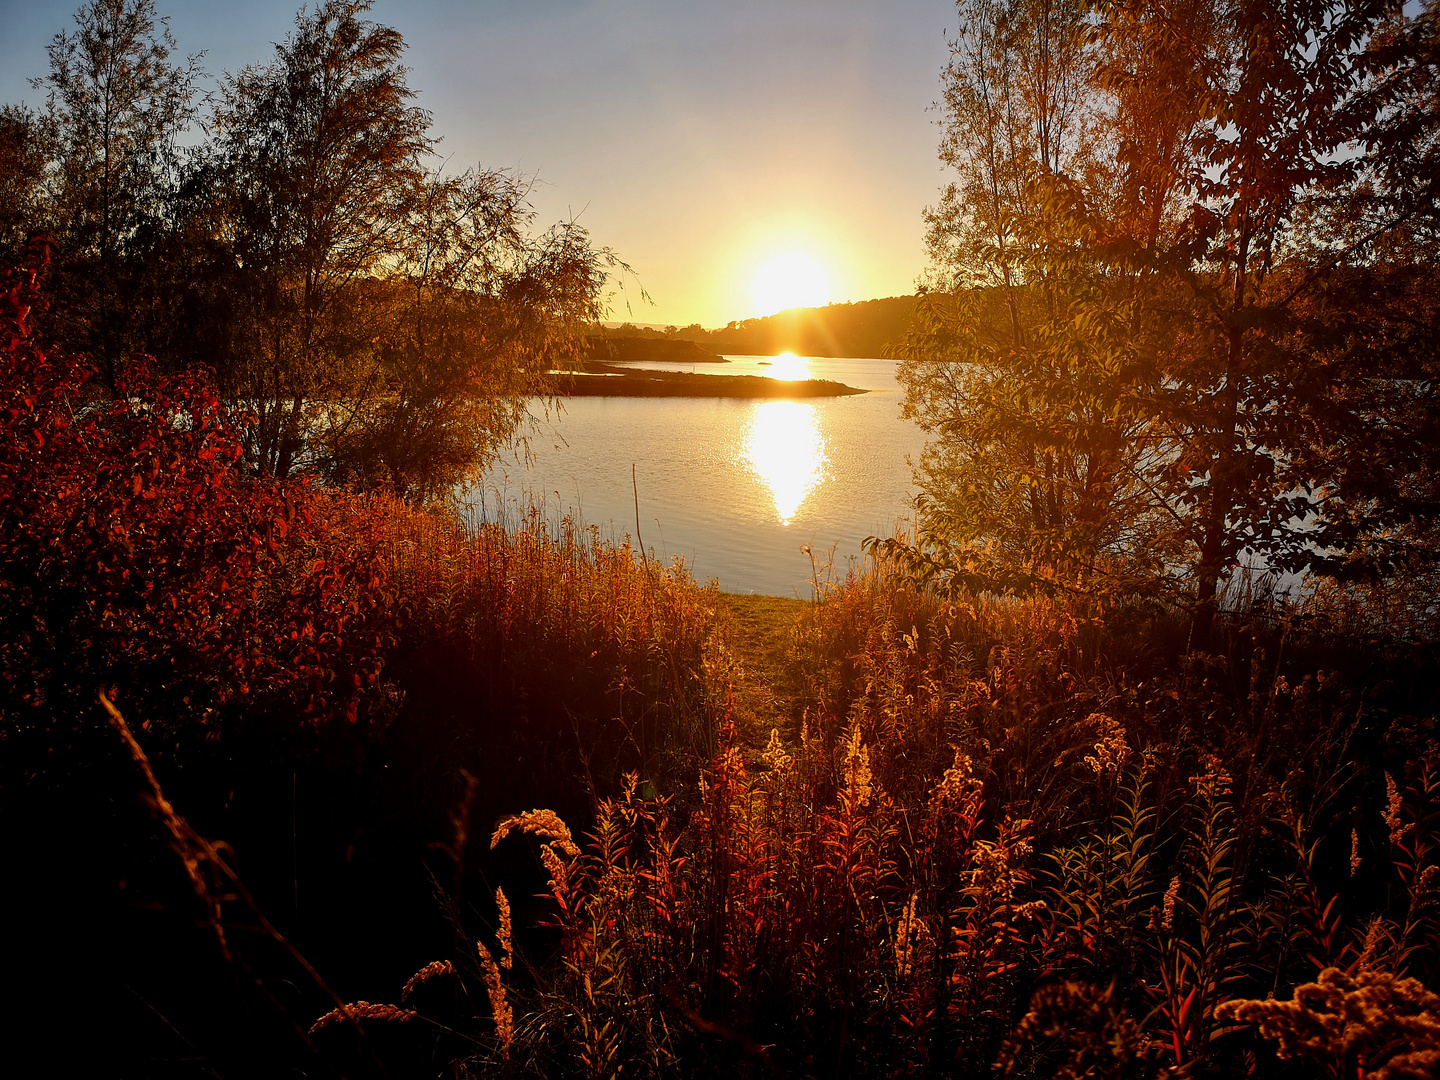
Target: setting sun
788,281
788,366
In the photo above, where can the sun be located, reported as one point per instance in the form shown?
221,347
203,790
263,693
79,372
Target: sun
788,281
788,367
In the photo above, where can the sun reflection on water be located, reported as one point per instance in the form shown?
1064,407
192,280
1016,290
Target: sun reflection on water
787,451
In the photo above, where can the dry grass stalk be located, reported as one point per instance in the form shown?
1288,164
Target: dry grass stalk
507,948
362,1010
1172,894
195,852
499,1002
432,970
1394,804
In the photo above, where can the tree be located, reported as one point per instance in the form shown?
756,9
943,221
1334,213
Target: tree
383,322
323,153
396,320
477,314
1029,469
1197,278
1018,106
116,104
1268,393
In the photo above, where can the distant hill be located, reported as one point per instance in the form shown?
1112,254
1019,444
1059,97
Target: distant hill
860,329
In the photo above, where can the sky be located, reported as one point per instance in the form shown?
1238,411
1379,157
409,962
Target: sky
702,140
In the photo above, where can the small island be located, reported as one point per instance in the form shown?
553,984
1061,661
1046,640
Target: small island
609,380
604,372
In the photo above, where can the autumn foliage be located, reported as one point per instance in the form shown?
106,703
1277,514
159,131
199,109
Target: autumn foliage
1033,836
138,553
285,653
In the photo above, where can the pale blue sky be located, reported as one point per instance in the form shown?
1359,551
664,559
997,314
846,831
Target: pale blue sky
698,139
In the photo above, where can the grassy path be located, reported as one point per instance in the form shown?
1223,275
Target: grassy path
760,639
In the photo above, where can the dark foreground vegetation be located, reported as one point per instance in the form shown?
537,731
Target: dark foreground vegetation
300,780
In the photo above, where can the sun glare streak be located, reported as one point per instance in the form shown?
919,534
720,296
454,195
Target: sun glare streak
787,451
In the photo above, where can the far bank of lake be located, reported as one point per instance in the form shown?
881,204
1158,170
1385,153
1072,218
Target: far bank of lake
736,487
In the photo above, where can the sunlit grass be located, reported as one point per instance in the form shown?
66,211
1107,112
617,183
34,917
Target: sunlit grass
986,847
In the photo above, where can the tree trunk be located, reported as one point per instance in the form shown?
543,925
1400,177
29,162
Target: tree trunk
1222,465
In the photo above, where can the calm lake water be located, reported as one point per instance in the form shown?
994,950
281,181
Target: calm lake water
735,487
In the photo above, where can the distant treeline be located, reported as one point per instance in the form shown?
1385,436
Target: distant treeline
631,343
865,328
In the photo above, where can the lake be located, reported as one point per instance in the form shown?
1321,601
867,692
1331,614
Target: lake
735,487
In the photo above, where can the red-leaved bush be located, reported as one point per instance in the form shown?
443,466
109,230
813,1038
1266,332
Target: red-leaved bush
137,549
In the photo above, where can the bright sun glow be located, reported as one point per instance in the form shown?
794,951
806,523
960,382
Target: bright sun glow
789,367
788,281
787,451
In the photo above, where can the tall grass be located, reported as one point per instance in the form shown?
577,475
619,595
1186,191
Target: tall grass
1019,836
567,640
1013,836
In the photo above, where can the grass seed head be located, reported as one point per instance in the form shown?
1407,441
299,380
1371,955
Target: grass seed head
544,823
1394,804
1112,750
362,1010
432,970
1167,918
507,949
